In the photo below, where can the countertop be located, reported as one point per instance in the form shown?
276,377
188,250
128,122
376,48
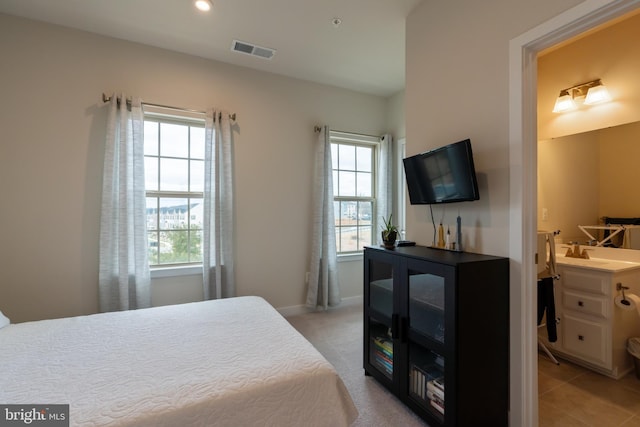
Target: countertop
601,264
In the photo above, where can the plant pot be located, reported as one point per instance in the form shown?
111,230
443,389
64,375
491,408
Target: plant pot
389,239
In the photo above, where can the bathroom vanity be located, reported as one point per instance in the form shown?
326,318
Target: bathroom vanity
592,330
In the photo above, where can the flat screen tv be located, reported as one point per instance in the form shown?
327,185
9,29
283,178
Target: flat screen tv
443,175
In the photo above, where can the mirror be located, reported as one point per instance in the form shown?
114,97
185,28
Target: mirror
587,176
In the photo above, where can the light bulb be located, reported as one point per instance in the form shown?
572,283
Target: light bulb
203,5
564,103
597,94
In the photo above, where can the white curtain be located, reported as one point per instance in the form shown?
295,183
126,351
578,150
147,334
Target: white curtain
218,226
384,183
124,277
323,290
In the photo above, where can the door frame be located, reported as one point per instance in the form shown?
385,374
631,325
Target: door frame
523,51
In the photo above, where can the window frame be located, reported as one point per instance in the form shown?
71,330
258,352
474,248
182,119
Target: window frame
161,115
358,140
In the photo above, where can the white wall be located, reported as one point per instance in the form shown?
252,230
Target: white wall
52,121
457,86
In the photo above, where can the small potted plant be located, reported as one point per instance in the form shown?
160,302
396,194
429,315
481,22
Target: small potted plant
389,233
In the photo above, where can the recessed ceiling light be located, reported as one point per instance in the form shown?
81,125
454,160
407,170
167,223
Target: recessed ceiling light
203,5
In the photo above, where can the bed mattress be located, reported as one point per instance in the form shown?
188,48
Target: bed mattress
232,362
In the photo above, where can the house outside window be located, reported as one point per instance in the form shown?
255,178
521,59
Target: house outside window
174,182
353,160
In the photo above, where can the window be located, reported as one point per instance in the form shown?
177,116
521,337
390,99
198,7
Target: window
353,160
174,181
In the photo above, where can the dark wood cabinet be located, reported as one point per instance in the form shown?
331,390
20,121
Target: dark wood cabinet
436,332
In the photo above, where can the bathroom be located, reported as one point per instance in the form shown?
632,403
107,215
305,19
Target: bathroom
588,166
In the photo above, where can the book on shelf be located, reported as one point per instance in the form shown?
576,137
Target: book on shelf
438,383
433,395
384,345
438,405
434,391
383,362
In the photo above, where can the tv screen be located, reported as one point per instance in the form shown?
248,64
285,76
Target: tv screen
443,175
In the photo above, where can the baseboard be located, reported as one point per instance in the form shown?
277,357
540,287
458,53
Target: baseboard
294,310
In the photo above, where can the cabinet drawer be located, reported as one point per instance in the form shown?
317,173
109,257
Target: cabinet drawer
586,339
588,281
586,304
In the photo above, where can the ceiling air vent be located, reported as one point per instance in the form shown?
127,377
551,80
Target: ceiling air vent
251,49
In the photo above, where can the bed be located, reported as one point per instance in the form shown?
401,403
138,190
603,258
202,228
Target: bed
232,362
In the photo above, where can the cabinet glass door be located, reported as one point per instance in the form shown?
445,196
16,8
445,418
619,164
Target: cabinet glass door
426,314
426,379
426,304
380,315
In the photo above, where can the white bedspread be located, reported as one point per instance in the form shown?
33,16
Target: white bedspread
234,362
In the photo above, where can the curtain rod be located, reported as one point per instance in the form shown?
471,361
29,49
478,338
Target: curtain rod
317,129
106,98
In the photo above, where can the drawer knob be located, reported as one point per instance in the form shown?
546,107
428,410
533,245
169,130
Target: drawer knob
581,337
580,303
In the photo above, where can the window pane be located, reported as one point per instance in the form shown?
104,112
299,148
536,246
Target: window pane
196,213
348,212
336,212
153,247
152,213
363,184
151,173
349,239
174,175
195,246
150,138
334,156
364,158
346,157
364,213
364,237
173,213
174,140
197,175
346,184
336,183
197,143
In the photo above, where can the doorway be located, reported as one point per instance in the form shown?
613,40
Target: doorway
523,191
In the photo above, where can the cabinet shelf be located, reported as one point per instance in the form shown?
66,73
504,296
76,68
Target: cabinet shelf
436,321
426,342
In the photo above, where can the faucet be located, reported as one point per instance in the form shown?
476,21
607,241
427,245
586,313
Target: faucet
575,251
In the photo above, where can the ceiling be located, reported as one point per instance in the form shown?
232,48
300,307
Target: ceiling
364,53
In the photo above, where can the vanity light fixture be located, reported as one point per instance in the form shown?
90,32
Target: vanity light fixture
588,93
597,94
564,102
203,5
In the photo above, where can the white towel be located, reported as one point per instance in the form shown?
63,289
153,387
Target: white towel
631,239
4,320
546,255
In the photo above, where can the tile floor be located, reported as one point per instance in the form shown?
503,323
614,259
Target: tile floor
570,395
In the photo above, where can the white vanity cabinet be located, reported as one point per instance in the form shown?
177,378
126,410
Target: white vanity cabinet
592,331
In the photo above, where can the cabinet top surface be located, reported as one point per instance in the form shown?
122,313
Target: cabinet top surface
435,255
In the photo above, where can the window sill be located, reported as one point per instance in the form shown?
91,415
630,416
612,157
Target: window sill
187,270
350,257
